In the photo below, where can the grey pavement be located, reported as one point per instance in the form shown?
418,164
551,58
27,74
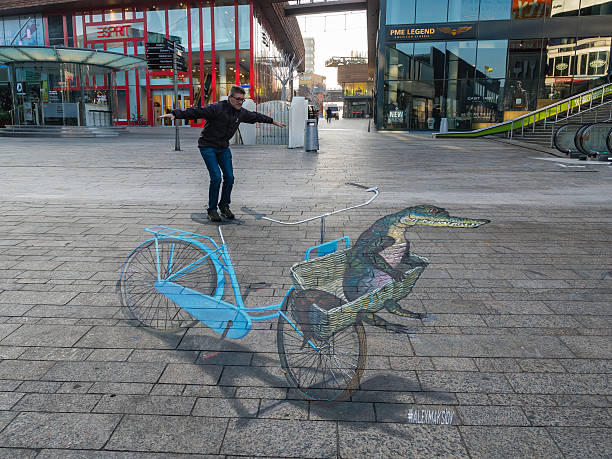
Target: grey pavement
519,353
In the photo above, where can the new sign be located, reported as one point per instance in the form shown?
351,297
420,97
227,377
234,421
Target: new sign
431,32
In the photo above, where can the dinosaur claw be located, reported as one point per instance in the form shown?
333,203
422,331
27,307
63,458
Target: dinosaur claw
428,318
400,329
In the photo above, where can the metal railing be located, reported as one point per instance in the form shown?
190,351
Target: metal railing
268,134
554,113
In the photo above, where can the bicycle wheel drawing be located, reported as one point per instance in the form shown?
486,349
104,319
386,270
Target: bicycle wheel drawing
326,374
137,284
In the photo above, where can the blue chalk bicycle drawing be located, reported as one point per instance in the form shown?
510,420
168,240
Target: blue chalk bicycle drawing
176,279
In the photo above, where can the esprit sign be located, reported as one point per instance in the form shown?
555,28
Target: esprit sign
429,32
112,31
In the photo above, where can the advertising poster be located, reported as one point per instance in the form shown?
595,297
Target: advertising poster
527,9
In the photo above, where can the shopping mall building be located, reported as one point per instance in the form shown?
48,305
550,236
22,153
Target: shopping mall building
479,62
226,42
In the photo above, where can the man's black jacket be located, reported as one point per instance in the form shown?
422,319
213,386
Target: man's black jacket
222,120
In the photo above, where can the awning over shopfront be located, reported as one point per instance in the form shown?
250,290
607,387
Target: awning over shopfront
59,55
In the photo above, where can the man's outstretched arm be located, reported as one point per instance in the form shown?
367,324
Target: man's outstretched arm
254,117
192,113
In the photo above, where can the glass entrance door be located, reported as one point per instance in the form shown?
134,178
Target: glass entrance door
163,102
421,118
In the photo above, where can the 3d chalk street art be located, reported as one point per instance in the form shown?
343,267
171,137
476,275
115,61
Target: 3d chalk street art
177,278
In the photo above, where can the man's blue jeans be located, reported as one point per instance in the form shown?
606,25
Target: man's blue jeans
218,161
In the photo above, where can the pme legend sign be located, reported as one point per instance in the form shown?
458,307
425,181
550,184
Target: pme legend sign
431,32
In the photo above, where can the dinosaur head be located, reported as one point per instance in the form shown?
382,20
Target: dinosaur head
427,215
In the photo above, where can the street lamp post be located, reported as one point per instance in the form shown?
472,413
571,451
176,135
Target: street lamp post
177,142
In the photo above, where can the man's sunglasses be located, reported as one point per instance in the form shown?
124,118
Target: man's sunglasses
238,99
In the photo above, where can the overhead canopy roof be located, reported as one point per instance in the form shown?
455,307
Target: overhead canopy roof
54,54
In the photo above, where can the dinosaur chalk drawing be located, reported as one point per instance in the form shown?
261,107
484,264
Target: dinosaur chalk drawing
382,254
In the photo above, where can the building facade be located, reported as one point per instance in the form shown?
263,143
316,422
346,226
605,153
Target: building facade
309,55
480,62
226,42
357,84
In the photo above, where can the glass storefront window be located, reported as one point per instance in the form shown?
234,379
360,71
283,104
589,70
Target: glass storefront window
462,10
561,57
56,29
399,62
520,95
494,9
597,62
52,97
245,68
459,94
225,29
78,21
431,57
113,15
206,72
396,106
595,7
156,20
491,58
194,13
524,59
460,59
244,26
486,102
225,44
565,8
69,31
244,43
431,11
400,11
22,31
11,30
177,25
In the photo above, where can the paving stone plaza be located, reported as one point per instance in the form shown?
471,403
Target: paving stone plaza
517,359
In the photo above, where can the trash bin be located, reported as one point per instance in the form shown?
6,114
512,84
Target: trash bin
311,136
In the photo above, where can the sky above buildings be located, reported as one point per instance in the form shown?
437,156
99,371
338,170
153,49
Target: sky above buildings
335,35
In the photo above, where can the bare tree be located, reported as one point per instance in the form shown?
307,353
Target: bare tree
284,69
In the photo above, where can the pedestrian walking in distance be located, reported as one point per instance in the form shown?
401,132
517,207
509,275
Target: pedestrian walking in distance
329,114
222,121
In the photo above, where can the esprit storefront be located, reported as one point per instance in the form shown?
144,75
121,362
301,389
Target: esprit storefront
225,44
479,62
60,86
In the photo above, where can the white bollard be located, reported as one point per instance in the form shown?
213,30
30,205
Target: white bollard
443,125
248,131
297,120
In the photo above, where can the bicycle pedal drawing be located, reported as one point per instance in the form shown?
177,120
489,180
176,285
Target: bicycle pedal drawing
176,279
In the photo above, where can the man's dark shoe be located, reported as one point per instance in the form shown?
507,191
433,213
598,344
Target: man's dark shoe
213,216
226,212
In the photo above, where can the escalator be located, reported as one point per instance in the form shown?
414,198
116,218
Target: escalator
583,141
